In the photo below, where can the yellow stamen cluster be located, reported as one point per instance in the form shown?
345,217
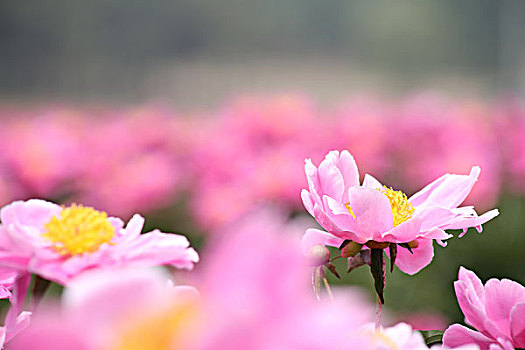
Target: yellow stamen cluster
380,339
402,209
79,230
160,330
347,205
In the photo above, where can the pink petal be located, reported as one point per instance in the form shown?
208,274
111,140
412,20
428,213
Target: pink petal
34,212
87,292
312,177
133,228
457,335
517,325
500,297
372,210
17,299
472,220
405,232
330,177
22,322
313,237
432,217
474,284
437,234
412,263
324,220
307,201
348,167
370,182
474,309
448,191
157,248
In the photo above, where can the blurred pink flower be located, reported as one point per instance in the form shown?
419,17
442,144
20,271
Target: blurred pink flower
114,309
399,336
254,294
42,155
371,212
496,311
127,164
431,135
255,143
263,285
59,243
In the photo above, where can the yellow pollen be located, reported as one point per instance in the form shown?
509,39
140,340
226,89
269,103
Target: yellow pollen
79,230
402,209
347,205
159,330
380,338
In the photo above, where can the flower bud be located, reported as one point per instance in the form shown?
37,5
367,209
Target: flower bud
377,245
318,255
351,249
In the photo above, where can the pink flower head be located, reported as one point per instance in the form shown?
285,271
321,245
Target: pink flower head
59,243
124,308
399,336
496,311
256,275
371,213
253,295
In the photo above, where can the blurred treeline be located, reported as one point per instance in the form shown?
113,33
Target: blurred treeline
109,48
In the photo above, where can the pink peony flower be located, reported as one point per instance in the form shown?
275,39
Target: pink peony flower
125,308
253,295
376,215
399,336
496,311
263,285
59,243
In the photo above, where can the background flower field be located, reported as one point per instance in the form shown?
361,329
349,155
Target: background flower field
196,113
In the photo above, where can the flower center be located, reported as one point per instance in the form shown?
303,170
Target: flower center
347,205
402,209
381,340
79,230
160,330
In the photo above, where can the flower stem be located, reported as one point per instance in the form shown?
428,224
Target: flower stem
39,289
379,306
328,289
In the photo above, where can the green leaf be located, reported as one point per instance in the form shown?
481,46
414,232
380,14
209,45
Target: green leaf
331,267
378,272
393,254
432,337
405,245
345,242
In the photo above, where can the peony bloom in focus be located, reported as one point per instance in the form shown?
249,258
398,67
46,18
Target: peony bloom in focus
375,215
496,311
58,243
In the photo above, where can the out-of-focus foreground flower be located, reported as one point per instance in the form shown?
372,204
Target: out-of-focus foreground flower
496,311
254,294
378,216
399,336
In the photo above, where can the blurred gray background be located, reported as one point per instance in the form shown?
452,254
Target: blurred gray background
196,53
